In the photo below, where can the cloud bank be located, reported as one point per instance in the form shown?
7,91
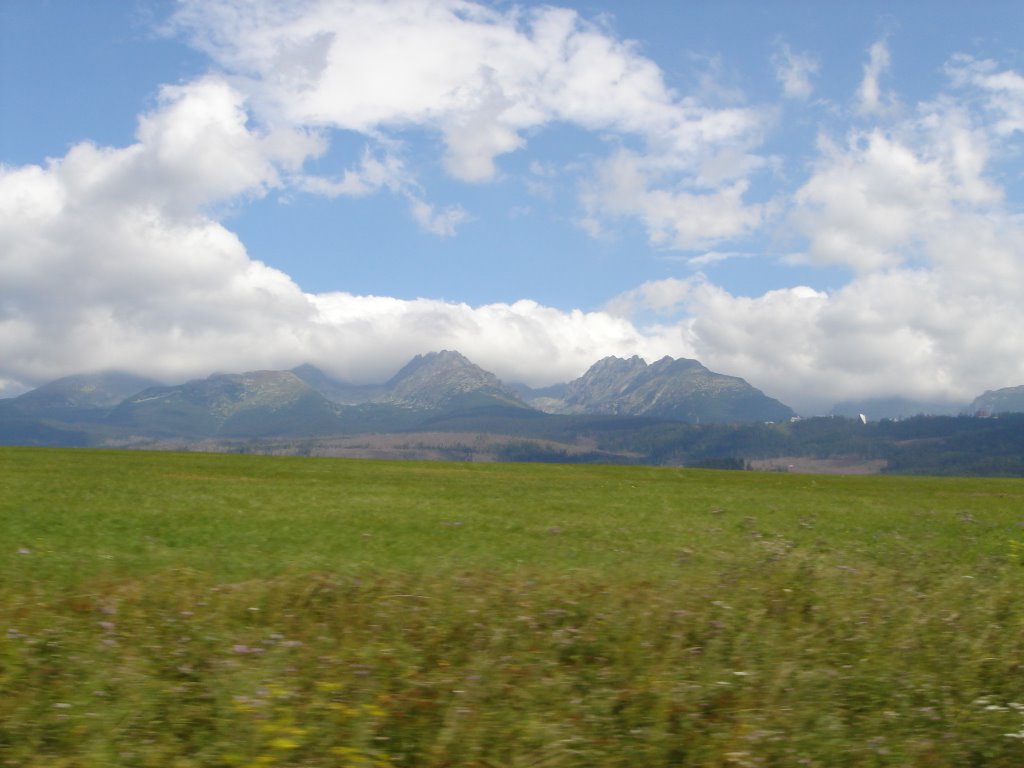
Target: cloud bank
122,257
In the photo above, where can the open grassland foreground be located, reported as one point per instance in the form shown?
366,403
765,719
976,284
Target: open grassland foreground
209,610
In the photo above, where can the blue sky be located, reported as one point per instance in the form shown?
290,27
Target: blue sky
823,198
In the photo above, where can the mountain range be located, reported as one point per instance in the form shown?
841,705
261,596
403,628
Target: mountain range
98,408
441,405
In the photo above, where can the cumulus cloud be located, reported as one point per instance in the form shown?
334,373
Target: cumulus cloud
117,257
880,197
111,258
483,79
102,268
93,283
663,297
675,215
911,206
523,341
910,332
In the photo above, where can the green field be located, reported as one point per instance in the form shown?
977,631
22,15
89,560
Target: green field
162,609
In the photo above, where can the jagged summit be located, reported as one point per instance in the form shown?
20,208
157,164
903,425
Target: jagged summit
679,389
446,378
442,380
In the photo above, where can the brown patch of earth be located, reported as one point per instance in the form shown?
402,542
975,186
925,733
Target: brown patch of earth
849,465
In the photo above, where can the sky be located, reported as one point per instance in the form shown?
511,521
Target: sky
825,198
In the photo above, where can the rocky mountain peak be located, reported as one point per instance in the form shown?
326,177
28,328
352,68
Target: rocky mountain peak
437,379
680,389
433,363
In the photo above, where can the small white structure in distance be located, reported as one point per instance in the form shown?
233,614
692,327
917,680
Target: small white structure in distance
863,419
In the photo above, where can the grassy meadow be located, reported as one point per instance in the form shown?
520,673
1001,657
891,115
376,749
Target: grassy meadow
179,610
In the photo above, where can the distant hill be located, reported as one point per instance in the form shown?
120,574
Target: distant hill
680,390
250,404
1007,400
443,381
20,428
85,397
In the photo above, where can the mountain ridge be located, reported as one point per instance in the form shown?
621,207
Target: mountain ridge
442,391
678,389
86,396
995,401
252,403
442,406
433,387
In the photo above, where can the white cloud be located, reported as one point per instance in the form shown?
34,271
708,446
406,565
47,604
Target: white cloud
663,297
482,80
1002,91
443,224
933,310
11,388
386,170
523,341
880,198
197,148
627,184
794,71
88,285
108,259
715,257
373,173
871,98
115,257
911,206
912,332
864,204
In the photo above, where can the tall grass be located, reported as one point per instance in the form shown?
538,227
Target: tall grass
191,610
